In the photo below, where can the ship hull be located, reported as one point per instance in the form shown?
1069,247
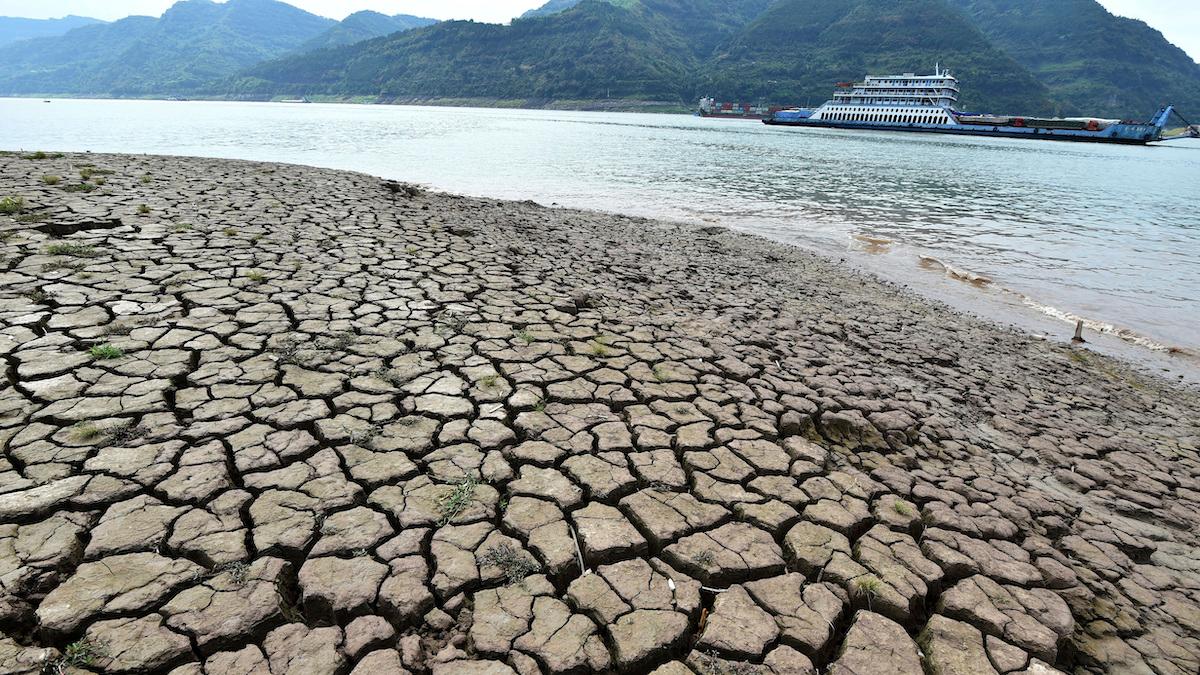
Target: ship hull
1123,134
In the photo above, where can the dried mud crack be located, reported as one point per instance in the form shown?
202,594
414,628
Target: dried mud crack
274,419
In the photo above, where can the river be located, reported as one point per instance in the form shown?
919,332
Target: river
1033,232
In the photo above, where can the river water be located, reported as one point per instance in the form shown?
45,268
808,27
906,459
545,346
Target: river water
1041,232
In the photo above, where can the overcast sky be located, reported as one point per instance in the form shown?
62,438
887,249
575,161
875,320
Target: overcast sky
1179,20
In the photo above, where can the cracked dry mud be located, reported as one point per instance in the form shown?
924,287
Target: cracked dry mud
289,420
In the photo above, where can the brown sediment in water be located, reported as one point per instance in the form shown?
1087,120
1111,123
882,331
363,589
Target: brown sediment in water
288,413
872,245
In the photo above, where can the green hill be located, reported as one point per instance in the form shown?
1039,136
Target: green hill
585,52
194,43
1094,62
15,29
797,50
364,25
666,50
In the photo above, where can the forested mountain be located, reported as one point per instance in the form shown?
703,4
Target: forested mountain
196,42
1093,61
364,25
552,7
1029,56
796,49
13,29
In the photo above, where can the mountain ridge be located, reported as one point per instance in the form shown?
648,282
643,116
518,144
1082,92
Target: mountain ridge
16,28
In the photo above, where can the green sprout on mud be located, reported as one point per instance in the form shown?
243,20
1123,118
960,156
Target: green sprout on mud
184,227
78,654
7,236
143,209
257,277
51,180
87,172
147,178
525,336
10,206
489,381
410,250
540,406
229,231
703,558
63,265
73,250
510,561
660,373
455,501
901,508
106,352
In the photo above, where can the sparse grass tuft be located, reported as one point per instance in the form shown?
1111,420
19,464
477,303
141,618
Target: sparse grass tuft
239,572
73,250
33,217
598,348
79,187
36,295
525,336
540,406
337,342
51,180
901,508
703,558
869,587
42,155
143,209
391,377
184,227
489,381
229,231
106,352
87,172
63,265
78,654
257,277
660,373
510,560
147,178
10,206
454,502
86,432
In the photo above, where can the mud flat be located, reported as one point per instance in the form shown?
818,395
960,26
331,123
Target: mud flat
272,419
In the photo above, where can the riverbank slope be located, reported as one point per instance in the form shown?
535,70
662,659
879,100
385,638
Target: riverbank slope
255,413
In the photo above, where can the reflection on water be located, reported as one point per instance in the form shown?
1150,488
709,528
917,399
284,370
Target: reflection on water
1106,232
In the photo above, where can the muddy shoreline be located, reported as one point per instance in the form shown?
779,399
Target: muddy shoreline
257,415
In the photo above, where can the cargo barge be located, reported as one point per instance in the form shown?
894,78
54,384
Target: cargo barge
926,103
710,107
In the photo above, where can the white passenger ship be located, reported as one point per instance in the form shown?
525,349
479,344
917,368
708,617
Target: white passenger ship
926,103
901,99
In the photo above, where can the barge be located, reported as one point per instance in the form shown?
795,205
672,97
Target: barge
711,107
926,103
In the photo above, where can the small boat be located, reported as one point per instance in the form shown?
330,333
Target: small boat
926,103
295,100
